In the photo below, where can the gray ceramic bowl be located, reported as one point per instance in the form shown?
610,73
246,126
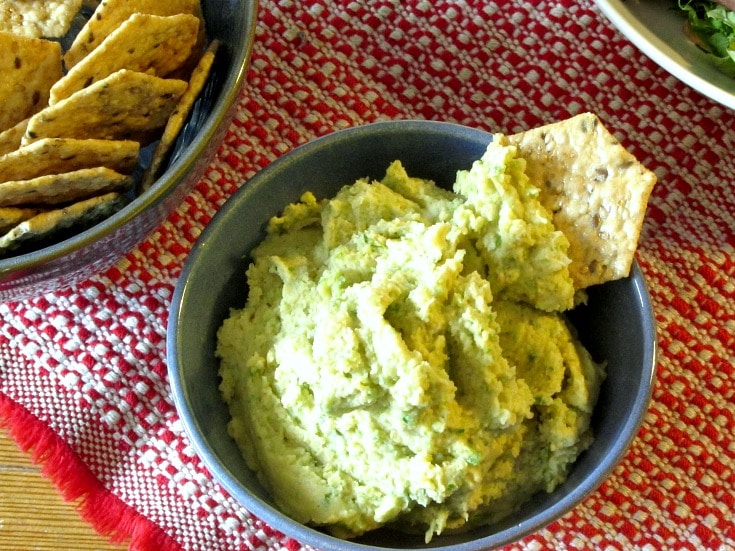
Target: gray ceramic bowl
84,254
617,325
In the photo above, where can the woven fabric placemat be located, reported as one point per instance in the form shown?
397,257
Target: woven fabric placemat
83,375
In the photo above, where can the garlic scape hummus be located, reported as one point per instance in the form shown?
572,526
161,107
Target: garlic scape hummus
403,359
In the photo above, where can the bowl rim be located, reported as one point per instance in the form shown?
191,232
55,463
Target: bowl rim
310,535
655,47
166,183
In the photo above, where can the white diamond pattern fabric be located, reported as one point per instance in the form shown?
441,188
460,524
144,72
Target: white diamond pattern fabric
83,379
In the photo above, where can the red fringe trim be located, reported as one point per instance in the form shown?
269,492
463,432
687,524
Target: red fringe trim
108,514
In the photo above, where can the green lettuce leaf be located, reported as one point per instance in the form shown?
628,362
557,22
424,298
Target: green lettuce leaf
712,27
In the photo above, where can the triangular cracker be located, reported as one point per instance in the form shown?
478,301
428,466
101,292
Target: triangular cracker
110,14
176,122
127,105
29,67
10,139
12,216
148,43
55,189
57,155
595,190
46,224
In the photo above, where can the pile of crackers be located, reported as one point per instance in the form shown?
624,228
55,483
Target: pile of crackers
73,122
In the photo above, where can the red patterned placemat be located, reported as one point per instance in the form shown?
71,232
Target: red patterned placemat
83,377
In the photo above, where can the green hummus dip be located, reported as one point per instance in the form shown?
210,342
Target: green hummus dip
402,358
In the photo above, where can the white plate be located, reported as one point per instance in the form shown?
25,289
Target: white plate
657,30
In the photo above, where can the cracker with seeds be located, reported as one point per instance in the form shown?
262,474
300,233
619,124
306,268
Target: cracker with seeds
12,216
55,189
47,224
110,14
10,139
594,189
29,67
38,18
127,105
147,43
178,117
57,155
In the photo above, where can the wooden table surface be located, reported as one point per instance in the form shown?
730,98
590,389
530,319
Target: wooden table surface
32,514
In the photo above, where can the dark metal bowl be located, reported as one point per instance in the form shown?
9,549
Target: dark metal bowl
617,325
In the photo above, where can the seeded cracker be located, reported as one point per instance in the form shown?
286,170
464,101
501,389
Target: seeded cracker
147,43
12,216
46,224
10,139
38,18
594,188
57,155
29,67
178,117
110,14
127,105
55,189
